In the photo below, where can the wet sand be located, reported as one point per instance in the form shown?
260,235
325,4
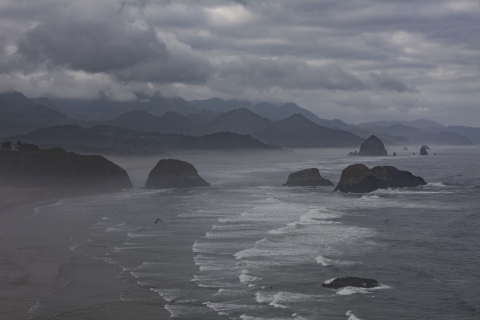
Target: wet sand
36,263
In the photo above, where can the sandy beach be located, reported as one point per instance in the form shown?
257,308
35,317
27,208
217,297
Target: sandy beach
36,261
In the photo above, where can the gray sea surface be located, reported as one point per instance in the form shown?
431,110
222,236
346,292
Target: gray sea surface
250,248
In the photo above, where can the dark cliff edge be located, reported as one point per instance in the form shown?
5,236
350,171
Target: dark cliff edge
56,168
358,178
173,173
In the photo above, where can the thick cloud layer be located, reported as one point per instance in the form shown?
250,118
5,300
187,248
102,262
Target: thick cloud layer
354,60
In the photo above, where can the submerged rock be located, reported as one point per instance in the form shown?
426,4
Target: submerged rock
358,178
307,177
423,151
405,149
351,282
172,173
56,168
373,146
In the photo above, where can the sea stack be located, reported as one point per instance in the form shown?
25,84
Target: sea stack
423,151
307,178
426,147
394,154
173,173
373,146
358,178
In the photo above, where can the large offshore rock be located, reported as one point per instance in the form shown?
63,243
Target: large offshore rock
351,282
173,173
423,151
373,146
307,177
358,178
56,168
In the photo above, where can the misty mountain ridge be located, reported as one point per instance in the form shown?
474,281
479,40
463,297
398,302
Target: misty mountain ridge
271,111
420,136
297,131
419,124
170,122
20,115
242,121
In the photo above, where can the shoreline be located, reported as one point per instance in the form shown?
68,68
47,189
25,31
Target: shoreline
34,262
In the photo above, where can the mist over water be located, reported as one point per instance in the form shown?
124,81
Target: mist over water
249,248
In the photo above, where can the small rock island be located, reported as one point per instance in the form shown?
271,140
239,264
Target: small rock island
373,146
358,178
426,147
423,151
56,168
351,282
173,173
307,178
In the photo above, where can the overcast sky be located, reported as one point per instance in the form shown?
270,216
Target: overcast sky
353,60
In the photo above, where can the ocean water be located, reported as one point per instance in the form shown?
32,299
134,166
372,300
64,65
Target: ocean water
249,248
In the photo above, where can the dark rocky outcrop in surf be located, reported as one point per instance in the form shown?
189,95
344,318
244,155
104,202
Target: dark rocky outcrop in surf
307,177
351,282
56,168
423,151
173,173
394,154
358,178
373,146
426,147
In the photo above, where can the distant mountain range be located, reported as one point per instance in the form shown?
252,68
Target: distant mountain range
267,110
419,124
286,125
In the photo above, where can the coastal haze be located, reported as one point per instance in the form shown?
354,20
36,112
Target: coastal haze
239,160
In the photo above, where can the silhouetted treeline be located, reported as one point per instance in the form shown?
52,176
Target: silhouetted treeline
115,140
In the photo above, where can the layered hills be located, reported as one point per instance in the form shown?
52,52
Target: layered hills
299,132
286,125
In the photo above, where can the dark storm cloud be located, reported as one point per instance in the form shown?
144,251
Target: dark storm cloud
104,42
386,82
92,44
344,59
285,72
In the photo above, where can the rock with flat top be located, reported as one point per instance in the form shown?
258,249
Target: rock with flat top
307,177
173,173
